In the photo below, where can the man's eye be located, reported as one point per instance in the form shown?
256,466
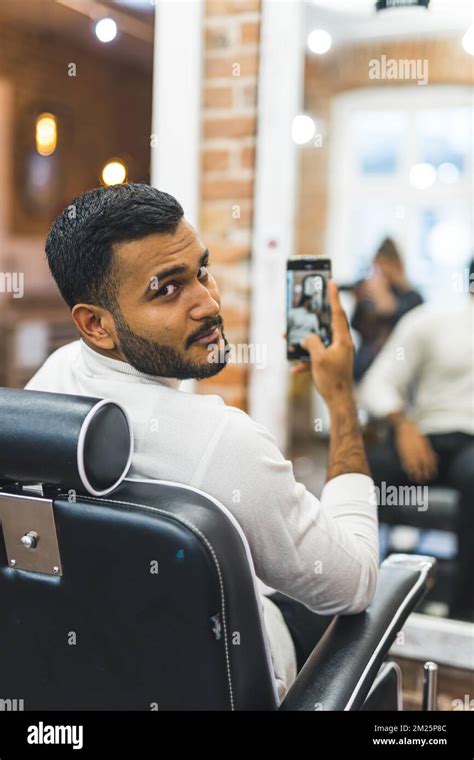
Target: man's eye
162,291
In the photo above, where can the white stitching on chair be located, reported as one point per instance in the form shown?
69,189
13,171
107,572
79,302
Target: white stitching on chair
255,580
199,533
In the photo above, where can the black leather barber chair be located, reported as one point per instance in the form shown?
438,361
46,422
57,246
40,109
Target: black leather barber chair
122,594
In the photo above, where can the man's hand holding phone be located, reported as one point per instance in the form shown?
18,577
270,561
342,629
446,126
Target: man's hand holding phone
331,369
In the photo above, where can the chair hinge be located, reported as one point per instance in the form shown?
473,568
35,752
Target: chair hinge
29,532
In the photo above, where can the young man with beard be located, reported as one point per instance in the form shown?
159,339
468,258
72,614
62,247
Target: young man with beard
136,277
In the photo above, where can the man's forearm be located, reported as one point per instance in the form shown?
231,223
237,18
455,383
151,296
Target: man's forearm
346,447
395,419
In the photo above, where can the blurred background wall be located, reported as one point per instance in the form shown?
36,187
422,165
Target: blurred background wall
346,71
52,63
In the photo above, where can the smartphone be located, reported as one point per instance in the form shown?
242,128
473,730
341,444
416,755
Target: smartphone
307,305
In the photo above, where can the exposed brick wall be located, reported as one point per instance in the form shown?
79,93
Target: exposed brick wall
231,40
347,69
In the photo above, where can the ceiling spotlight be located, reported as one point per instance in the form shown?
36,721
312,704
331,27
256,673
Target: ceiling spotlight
114,173
46,134
106,30
302,129
382,5
422,176
448,173
468,40
319,41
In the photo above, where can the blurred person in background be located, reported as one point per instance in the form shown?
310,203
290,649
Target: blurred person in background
302,320
422,383
382,299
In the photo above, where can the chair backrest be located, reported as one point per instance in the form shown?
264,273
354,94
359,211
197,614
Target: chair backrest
143,598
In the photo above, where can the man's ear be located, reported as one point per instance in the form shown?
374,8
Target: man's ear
96,325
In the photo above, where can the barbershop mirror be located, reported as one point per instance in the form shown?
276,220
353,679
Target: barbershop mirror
385,191
75,112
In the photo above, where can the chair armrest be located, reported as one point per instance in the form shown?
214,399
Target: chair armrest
340,671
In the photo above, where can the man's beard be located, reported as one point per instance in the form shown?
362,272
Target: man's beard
160,360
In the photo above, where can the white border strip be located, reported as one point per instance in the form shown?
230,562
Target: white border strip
175,144
280,97
176,118
80,448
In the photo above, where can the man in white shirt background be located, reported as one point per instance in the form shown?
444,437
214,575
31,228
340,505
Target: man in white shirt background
422,383
302,320
136,277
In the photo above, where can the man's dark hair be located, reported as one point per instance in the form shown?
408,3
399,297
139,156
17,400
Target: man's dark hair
81,240
388,250
471,270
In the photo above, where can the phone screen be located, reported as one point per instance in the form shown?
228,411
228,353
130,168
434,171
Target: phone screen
307,302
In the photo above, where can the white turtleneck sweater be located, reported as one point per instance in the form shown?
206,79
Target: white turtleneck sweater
324,553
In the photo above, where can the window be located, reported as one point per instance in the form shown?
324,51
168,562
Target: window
401,165
378,141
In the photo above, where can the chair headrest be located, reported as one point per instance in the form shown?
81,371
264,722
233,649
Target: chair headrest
75,442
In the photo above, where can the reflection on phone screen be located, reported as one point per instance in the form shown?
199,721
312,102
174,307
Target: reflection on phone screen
308,309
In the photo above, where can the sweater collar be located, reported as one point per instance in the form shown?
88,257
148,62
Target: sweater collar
100,364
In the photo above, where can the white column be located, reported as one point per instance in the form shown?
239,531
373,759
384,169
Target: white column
177,79
176,120
280,94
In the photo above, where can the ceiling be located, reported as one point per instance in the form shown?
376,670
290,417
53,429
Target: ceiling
352,20
345,20
74,20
